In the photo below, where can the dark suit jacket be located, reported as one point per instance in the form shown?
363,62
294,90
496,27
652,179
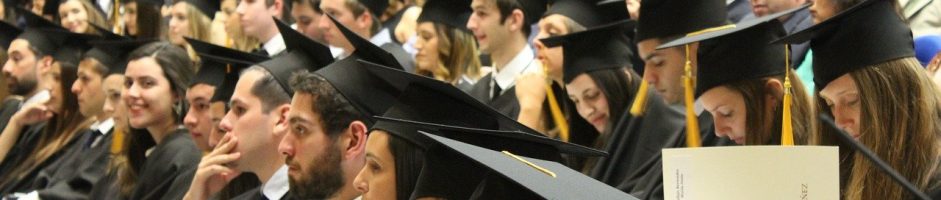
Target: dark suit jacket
506,103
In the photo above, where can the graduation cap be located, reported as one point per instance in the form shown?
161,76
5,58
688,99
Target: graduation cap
513,176
605,47
365,49
369,94
665,18
207,7
748,41
34,32
303,54
71,45
51,7
8,33
868,33
590,13
532,10
114,53
222,62
873,158
221,67
376,7
453,13
106,34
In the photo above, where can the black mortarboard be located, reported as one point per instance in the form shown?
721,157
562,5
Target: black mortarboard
749,42
207,7
107,55
590,13
666,18
70,45
873,158
8,33
302,54
533,10
517,176
106,34
113,53
453,13
428,104
376,7
367,93
51,7
365,49
605,47
220,62
34,32
868,33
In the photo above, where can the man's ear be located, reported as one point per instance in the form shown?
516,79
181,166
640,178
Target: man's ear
365,22
515,20
45,64
277,9
356,144
281,126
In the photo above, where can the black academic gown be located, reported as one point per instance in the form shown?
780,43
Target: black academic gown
80,169
506,103
635,140
7,109
28,182
649,175
169,169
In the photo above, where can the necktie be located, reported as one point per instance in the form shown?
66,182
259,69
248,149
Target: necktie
496,91
91,139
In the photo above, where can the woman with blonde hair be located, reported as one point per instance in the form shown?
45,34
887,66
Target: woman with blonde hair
447,51
192,19
870,83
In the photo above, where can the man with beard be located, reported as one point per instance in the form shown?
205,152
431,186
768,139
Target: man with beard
256,123
30,55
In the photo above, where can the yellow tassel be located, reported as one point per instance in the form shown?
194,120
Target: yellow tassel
787,134
640,100
692,122
117,142
556,111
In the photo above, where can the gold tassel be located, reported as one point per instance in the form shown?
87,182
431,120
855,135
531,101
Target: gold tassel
117,142
556,111
692,122
640,100
787,134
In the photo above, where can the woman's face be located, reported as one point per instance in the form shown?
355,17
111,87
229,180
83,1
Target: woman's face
427,58
822,10
130,18
179,23
550,26
590,101
147,94
73,16
842,96
377,179
113,85
54,78
727,107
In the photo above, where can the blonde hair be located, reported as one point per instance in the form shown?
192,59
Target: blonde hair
899,114
457,55
199,25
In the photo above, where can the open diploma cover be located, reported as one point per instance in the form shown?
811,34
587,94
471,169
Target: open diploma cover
751,172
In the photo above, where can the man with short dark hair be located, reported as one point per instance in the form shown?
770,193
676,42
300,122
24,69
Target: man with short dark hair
502,28
362,17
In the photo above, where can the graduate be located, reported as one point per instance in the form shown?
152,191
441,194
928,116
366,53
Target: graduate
860,72
602,85
746,95
395,150
255,124
155,81
447,51
192,19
